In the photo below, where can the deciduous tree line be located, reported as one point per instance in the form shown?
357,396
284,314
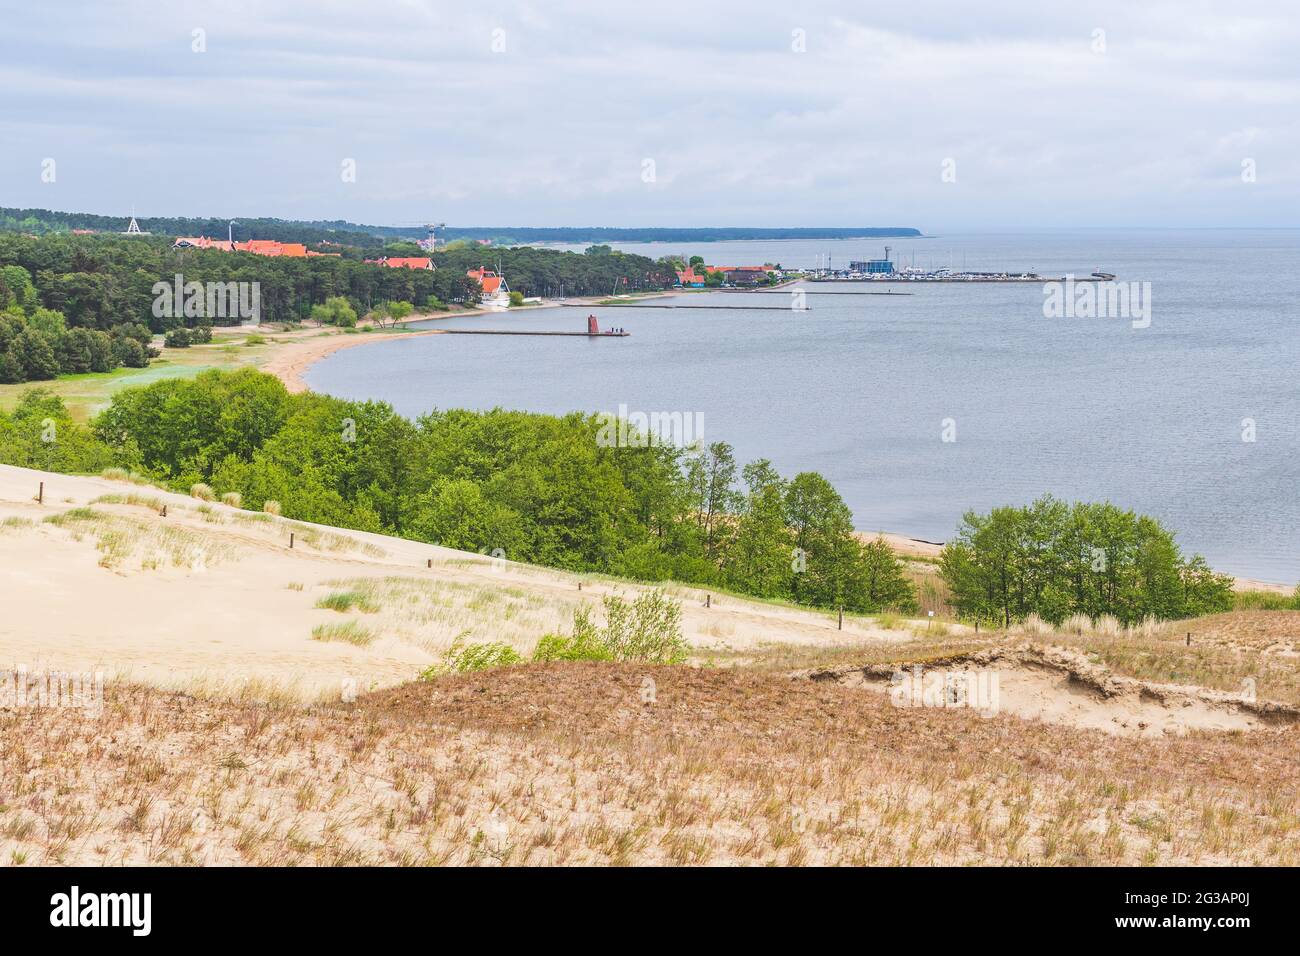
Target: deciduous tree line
544,489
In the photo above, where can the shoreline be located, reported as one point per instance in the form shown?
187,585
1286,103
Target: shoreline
298,352
292,361
294,358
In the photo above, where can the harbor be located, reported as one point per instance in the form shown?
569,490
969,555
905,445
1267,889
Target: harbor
887,270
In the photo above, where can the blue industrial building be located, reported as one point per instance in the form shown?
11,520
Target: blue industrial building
883,266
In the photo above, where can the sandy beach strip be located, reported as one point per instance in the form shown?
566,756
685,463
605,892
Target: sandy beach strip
292,359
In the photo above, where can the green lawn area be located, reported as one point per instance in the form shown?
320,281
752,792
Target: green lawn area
85,395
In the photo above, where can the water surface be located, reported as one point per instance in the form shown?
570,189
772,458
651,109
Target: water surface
859,387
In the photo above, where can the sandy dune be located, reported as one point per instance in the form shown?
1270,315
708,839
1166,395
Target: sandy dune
211,597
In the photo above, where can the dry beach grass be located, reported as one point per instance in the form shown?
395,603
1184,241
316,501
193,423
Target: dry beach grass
569,764
229,732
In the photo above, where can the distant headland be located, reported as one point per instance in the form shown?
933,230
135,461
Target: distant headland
45,221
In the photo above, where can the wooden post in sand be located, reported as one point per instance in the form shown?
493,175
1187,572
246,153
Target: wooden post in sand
290,540
40,494
1189,638
164,511
708,600
429,564
841,627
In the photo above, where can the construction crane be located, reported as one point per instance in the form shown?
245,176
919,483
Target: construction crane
432,229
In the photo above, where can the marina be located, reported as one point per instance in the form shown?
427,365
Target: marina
886,270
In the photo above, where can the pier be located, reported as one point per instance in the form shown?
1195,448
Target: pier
724,308
943,278
594,331
585,335
807,292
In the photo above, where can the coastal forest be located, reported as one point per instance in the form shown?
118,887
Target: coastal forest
543,489
71,304
370,238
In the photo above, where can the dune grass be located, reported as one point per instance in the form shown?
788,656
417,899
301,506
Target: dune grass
434,613
349,632
126,542
133,499
344,601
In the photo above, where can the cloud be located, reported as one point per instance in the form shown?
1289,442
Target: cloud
531,113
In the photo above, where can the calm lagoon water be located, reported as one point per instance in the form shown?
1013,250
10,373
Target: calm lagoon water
858,388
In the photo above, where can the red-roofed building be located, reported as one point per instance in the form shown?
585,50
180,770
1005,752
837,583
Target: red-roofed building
489,280
258,247
742,275
690,279
397,262
270,247
201,242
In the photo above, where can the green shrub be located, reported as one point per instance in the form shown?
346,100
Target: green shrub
583,646
1265,601
649,629
466,658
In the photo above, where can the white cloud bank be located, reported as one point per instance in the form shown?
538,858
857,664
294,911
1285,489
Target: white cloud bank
518,113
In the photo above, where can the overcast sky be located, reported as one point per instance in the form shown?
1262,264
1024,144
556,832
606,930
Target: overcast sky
621,113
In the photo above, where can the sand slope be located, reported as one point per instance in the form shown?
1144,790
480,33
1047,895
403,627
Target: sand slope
211,597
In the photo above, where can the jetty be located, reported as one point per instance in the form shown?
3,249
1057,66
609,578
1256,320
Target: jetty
594,331
807,292
723,308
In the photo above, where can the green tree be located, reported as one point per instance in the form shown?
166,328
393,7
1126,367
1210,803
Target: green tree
883,583
711,474
183,429
1055,560
39,433
336,310
456,515
760,558
829,552
32,353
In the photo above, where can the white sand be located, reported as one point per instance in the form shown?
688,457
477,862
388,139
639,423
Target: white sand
230,616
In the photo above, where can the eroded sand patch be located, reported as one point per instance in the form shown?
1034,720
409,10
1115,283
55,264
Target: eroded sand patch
1058,686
